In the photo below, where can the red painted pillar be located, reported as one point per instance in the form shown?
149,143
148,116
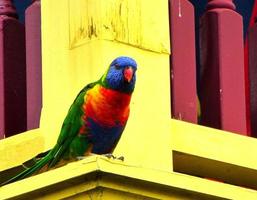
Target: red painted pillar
251,63
12,72
34,64
222,87
183,67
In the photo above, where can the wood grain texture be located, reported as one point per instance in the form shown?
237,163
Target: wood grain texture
123,21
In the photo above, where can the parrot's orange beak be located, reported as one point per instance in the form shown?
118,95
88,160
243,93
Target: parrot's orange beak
128,74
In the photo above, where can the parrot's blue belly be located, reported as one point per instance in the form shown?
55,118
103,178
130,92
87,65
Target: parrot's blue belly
103,138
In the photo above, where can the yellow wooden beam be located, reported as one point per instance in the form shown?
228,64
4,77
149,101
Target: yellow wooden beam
214,144
17,149
96,174
211,153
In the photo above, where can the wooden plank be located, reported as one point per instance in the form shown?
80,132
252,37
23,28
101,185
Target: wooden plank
250,65
13,72
34,64
183,64
222,87
122,21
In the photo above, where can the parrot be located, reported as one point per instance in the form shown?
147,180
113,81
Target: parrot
95,120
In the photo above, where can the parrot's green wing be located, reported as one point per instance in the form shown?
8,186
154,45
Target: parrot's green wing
68,134
70,127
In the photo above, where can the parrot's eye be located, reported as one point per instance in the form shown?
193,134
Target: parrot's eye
117,66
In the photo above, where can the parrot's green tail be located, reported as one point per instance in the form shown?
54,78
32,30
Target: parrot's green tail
27,172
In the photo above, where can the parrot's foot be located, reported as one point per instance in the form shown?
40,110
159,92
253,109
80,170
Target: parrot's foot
121,158
109,155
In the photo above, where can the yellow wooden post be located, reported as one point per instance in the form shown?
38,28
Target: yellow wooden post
80,39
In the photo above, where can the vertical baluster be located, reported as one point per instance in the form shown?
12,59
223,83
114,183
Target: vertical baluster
183,70
12,71
222,89
251,60
34,65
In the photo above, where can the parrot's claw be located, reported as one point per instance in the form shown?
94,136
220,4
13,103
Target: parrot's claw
109,155
121,158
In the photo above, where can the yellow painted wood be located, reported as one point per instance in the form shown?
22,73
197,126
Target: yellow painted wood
214,144
106,193
17,149
211,153
123,21
98,175
72,60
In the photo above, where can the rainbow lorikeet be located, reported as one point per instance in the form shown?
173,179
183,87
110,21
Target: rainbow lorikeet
95,120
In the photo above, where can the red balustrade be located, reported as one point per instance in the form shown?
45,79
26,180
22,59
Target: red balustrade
12,71
183,67
34,64
222,87
251,62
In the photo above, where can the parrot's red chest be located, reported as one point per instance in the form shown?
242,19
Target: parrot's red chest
107,107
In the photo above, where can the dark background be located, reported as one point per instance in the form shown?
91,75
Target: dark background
21,5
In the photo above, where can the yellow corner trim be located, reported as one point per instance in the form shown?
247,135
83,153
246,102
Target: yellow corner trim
78,178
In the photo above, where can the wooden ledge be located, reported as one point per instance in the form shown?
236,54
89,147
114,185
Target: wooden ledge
214,154
99,175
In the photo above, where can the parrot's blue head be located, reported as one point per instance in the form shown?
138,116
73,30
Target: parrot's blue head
121,75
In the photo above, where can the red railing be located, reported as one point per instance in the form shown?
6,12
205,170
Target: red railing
222,86
34,70
20,83
183,65
251,60
12,71
223,91
227,92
